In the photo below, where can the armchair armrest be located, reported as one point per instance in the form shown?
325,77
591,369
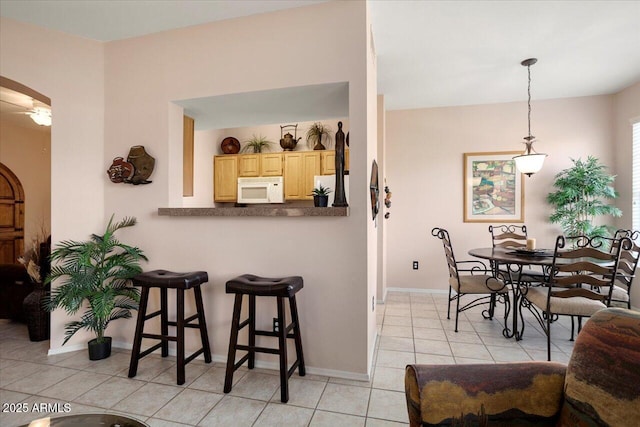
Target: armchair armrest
507,394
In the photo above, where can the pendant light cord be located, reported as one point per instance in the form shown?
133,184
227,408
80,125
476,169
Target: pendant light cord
529,100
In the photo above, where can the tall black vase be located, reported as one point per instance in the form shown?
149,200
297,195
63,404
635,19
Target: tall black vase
38,318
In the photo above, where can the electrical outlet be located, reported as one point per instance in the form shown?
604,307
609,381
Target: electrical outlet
415,265
276,325
373,303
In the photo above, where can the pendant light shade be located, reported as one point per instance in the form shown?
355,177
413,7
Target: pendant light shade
529,162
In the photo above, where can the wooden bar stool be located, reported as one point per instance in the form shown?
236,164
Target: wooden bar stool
165,280
281,288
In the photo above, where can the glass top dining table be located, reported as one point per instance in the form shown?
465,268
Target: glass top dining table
515,261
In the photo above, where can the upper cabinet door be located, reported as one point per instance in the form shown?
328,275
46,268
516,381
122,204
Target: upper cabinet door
271,164
225,178
249,165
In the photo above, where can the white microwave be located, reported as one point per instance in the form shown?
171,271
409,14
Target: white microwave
264,189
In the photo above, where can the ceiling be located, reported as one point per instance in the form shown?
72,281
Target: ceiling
429,53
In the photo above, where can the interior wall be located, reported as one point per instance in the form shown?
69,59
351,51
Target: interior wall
425,150
382,230
329,252
27,152
370,105
626,111
70,71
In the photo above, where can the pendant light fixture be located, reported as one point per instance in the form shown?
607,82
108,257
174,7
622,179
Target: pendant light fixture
529,162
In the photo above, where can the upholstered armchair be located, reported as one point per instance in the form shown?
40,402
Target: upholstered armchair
599,387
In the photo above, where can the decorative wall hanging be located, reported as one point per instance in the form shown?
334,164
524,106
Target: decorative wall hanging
387,198
374,190
493,188
136,170
340,199
230,145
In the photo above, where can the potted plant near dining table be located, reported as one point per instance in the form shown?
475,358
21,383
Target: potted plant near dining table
96,275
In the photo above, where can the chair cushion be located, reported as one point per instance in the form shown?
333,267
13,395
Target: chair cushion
264,286
619,294
477,284
602,384
576,306
169,279
497,395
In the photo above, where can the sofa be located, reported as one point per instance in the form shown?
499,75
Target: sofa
600,386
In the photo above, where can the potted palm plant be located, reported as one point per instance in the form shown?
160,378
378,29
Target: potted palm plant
96,274
581,195
321,196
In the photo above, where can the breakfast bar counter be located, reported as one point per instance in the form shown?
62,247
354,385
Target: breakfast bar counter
255,211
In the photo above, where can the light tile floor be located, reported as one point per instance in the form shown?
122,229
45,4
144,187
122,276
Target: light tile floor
412,327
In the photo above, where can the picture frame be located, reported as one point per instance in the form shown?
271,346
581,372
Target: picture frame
493,188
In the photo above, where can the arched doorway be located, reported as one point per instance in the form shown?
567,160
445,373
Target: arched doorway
11,216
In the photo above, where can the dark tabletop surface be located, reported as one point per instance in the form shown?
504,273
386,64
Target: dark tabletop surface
510,256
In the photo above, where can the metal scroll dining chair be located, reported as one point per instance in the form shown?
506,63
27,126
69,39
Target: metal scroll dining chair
581,281
621,294
478,280
514,236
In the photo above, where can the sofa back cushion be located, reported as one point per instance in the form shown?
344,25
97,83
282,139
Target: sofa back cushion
602,385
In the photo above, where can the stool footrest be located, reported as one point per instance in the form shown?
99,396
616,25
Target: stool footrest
149,350
272,334
258,349
193,356
152,315
293,368
160,337
241,361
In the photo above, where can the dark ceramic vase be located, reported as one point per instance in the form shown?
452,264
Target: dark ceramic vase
99,350
37,316
320,201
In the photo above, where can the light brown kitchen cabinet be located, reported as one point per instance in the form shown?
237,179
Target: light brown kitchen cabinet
271,164
300,167
225,178
249,165
328,161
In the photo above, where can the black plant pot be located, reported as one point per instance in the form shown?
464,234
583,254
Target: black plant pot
320,201
37,316
99,350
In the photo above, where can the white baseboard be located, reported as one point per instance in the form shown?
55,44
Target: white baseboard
219,358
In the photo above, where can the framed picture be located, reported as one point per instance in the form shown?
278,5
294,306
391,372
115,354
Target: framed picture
493,188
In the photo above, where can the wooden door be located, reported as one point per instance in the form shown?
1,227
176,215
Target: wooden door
225,178
11,217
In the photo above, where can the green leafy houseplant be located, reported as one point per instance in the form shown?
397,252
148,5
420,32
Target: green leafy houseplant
97,272
316,133
256,144
581,195
321,196
321,190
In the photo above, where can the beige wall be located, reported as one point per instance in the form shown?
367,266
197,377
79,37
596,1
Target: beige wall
27,152
425,164
626,107
144,75
70,71
109,97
